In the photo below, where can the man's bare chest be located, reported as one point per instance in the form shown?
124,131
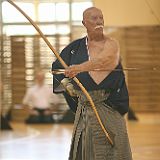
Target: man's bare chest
96,49
93,52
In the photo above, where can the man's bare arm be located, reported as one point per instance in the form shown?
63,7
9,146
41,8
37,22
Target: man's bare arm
103,61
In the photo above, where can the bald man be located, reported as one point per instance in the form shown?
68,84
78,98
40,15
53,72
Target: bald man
92,60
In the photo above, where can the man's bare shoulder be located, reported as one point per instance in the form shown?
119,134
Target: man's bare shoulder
111,43
111,40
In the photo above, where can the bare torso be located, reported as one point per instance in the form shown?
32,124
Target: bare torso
94,49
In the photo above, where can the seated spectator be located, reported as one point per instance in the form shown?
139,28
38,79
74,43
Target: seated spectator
37,101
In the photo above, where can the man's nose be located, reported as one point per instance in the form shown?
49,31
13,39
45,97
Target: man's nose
99,21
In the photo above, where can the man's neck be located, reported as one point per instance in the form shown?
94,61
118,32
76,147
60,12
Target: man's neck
99,37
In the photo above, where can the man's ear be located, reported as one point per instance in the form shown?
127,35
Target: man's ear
83,23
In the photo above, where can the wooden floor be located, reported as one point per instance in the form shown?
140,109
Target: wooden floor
51,142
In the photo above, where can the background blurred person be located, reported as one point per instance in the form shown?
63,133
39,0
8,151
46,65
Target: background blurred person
38,99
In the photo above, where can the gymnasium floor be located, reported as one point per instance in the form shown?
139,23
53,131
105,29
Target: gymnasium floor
51,142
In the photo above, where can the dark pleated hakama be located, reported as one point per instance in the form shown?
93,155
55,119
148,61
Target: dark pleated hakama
89,141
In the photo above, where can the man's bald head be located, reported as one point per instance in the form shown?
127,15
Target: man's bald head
93,20
88,11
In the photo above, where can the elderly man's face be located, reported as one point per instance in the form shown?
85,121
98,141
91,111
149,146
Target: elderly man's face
93,20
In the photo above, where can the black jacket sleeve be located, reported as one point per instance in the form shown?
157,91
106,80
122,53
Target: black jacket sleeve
66,55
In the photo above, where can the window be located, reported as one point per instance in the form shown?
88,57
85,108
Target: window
78,8
46,12
62,12
55,16
10,30
10,14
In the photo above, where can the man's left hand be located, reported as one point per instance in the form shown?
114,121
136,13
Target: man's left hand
72,71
